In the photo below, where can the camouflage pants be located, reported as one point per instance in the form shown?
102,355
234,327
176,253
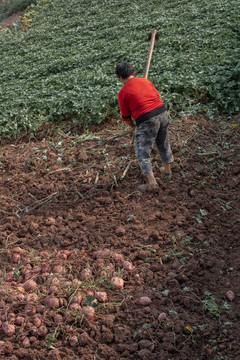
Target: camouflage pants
148,133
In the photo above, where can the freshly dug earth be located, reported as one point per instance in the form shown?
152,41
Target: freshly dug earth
9,21
79,193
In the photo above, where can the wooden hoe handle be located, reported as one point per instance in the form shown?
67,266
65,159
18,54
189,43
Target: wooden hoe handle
153,35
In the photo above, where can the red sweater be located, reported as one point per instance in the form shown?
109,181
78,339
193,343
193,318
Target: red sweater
138,97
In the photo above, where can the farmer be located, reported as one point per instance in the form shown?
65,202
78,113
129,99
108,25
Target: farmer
139,99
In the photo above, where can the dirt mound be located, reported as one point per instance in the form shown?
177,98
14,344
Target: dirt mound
79,193
9,21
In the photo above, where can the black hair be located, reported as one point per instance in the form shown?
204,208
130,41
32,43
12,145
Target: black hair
124,69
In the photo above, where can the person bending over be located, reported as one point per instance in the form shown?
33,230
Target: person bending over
143,110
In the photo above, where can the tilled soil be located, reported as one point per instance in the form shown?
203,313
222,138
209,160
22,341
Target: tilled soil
9,21
80,193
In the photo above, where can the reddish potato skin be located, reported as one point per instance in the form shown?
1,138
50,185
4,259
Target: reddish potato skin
230,295
162,317
73,341
30,285
117,257
30,310
21,297
19,320
26,342
117,283
101,296
86,273
37,321
127,265
32,297
11,317
103,273
75,307
105,253
42,330
8,329
53,302
77,298
144,300
88,312
15,257
58,318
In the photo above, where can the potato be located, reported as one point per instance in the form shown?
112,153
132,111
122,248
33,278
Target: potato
3,316
73,341
69,328
62,255
42,330
30,285
68,316
145,300
36,269
11,317
28,276
58,318
96,254
9,276
117,258
20,279
162,317
127,265
19,320
16,257
18,250
46,268
54,281
77,298
88,312
86,273
32,297
37,321
59,269
8,329
100,263
117,283
44,254
89,292
101,296
105,253
75,307
30,310
103,273
52,302
109,268
33,330
40,308
63,302
230,295
76,283
32,339
54,290
26,342
3,292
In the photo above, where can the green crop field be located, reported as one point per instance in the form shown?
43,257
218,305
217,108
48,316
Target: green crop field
59,61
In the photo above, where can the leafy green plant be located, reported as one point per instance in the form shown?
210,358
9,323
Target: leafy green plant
90,301
210,305
59,61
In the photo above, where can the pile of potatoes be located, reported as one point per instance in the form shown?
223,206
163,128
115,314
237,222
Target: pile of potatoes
41,295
